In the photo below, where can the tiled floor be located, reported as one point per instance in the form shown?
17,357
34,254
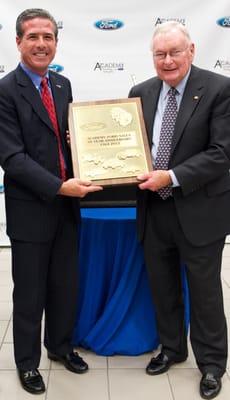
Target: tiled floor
109,378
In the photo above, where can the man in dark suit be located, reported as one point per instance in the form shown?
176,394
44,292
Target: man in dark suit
183,204
42,211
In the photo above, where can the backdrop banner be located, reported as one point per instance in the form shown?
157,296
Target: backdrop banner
104,46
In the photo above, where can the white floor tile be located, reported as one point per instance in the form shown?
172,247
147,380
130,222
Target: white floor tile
5,293
226,252
5,251
227,307
3,329
10,387
5,262
129,361
9,334
225,263
7,356
88,386
5,310
5,278
226,276
185,384
135,384
226,290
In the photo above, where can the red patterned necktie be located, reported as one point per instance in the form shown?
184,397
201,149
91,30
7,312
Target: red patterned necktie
166,134
49,105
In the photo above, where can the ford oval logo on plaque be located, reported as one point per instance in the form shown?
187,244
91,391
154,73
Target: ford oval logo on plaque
108,141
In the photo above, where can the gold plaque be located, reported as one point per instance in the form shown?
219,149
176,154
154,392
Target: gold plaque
108,141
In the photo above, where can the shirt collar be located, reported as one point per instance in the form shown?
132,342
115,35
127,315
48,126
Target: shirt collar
180,87
35,78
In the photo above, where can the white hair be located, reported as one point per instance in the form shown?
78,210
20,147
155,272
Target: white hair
170,26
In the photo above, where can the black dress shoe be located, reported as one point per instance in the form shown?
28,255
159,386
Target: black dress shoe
72,361
210,386
32,381
161,363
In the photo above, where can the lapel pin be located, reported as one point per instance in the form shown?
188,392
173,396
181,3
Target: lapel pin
59,86
195,97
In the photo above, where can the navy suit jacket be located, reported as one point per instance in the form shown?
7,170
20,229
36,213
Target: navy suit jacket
200,155
29,154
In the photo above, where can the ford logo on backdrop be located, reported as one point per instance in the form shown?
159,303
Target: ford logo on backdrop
56,67
108,24
224,22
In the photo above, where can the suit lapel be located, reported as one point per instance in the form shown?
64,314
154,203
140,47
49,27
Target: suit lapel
191,98
150,100
31,94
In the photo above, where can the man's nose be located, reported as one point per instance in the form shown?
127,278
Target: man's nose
168,58
41,41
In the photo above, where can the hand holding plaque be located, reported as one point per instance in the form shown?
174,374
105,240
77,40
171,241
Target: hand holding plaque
108,141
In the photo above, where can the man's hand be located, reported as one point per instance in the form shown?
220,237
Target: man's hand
76,188
155,180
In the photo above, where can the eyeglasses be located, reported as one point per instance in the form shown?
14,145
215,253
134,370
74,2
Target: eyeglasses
172,54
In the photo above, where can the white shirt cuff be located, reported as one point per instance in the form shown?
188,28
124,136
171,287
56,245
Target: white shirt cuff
175,182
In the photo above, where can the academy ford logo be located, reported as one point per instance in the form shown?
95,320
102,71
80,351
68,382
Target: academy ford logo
161,20
56,67
109,66
108,24
223,64
224,22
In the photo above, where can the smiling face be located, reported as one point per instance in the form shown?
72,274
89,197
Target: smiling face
37,44
173,54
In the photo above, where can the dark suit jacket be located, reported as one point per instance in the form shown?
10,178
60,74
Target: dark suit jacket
29,154
200,155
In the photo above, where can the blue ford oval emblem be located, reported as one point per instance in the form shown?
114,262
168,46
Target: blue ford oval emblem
224,22
56,67
108,24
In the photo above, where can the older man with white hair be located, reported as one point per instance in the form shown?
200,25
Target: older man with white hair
183,204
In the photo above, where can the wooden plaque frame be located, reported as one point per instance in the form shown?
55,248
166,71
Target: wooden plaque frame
109,127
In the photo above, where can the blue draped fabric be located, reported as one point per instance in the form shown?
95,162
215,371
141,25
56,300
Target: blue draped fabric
115,313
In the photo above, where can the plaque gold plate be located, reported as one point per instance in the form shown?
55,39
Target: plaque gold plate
108,141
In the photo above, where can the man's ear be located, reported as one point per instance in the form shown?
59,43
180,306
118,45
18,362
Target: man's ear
192,50
18,41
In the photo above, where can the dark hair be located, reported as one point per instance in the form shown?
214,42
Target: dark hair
32,13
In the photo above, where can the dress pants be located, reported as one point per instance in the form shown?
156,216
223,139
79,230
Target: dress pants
166,249
45,278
